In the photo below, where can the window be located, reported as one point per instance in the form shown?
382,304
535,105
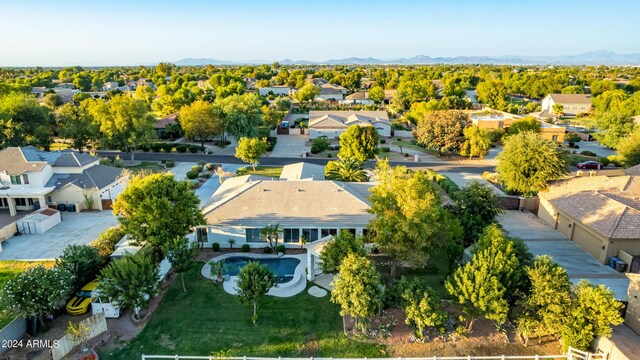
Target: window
352,231
554,138
20,202
327,232
30,201
4,202
253,235
15,180
25,179
49,200
291,235
310,234
201,234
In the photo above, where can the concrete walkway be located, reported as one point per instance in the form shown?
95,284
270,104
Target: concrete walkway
579,264
324,281
180,170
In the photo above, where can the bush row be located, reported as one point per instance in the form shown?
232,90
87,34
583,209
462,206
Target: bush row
450,187
168,147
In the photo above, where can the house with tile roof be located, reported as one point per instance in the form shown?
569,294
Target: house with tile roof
333,123
31,179
302,204
573,104
601,214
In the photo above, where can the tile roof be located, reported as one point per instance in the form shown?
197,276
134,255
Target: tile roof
61,158
571,98
319,118
302,171
13,162
290,203
169,119
634,170
607,205
98,176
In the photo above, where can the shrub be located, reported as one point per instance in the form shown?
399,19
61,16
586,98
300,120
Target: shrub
271,143
328,155
106,242
383,141
169,163
202,163
163,161
194,183
280,249
205,175
267,249
572,138
613,159
197,168
210,166
182,148
604,161
192,174
406,155
215,247
319,145
167,147
156,147
588,153
384,149
245,248
194,148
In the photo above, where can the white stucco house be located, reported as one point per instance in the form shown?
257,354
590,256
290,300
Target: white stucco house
278,90
329,94
358,98
303,205
573,104
333,123
31,179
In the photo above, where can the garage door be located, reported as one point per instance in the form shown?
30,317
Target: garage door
587,241
563,226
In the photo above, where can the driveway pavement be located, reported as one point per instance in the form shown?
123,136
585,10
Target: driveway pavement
579,264
290,146
593,146
75,228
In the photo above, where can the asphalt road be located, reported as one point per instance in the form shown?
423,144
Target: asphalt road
452,166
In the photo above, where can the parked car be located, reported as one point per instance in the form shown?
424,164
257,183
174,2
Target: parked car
590,165
80,303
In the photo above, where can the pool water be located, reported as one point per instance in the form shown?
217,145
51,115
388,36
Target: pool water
283,268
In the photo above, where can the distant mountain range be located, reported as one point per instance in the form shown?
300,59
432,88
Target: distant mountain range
588,58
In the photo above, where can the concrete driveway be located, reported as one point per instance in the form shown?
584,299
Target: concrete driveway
593,146
579,264
290,146
75,228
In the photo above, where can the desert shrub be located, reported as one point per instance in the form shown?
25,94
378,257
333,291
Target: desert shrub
215,246
319,145
384,149
245,248
192,174
182,148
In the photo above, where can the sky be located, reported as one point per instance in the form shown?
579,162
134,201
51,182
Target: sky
117,32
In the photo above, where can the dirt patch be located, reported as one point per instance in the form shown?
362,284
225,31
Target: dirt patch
391,329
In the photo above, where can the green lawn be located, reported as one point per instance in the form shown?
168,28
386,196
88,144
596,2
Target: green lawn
8,270
408,145
207,320
273,171
146,166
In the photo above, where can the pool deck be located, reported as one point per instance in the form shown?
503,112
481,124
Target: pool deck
288,289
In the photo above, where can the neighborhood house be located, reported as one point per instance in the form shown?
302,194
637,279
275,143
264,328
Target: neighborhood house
333,123
572,104
494,119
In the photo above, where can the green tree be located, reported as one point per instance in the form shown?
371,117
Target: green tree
477,142
600,86
242,114
629,149
573,89
593,310
613,127
37,291
272,234
106,242
336,249
250,150
548,299
376,94
307,93
347,169
23,121
442,130
201,120
410,223
82,261
282,104
131,281
528,162
558,109
359,142
180,254
82,81
493,93
423,309
53,100
476,206
357,288
145,93
254,282
77,124
156,208
611,101
125,123
528,123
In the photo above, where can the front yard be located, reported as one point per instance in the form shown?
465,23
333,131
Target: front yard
208,320
273,171
8,270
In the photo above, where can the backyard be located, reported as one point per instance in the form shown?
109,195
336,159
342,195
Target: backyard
8,270
208,320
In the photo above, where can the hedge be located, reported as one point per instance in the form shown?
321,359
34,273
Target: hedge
182,148
192,174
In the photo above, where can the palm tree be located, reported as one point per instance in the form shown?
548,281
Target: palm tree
271,233
348,169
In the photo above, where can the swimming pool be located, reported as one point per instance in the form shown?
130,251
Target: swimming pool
283,268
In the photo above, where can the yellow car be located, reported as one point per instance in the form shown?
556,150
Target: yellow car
80,303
